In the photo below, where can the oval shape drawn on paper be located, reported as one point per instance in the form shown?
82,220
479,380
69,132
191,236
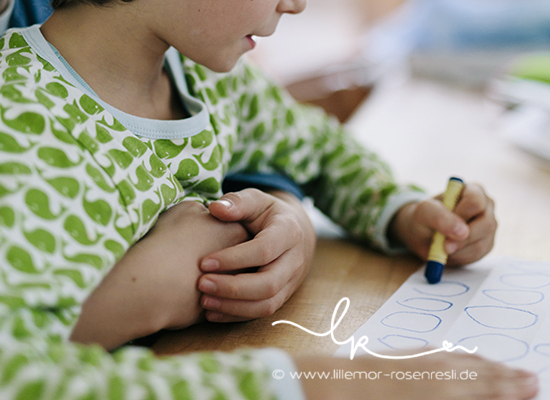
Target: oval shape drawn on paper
499,317
412,321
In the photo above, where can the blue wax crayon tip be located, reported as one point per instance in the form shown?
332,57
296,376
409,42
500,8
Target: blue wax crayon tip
434,270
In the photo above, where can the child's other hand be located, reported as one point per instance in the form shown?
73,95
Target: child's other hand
469,230
488,380
283,246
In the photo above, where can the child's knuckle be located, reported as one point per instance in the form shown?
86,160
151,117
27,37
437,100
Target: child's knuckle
422,208
232,289
234,197
293,229
479,247
265,254
252,192
270,308
271,288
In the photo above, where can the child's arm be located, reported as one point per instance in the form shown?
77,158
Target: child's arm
154,286
349,183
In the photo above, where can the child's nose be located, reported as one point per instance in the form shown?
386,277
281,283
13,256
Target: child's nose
291,6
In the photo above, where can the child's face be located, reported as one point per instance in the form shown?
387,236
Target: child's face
215,33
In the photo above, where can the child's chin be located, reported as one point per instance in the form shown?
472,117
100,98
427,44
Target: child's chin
222,67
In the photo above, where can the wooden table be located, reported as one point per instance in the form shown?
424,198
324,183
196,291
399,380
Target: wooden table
427,132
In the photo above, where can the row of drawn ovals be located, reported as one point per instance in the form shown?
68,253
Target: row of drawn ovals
421,322
496,317
418,321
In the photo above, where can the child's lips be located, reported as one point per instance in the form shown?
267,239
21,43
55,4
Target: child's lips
251,41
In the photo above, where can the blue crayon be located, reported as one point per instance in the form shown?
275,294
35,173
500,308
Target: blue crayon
437,257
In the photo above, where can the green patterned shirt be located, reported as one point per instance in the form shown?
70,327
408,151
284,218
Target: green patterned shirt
80,182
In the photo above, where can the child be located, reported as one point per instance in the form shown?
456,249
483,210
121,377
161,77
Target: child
101,135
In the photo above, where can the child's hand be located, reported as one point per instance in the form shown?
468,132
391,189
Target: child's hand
469,230
283,247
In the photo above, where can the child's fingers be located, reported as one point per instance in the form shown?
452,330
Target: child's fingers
246,205
264,248
470,253
497,381
242,309
472,203
478,244
481,239
260,285
483,227
433,215
214,316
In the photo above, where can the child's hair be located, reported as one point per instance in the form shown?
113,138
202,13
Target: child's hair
60,3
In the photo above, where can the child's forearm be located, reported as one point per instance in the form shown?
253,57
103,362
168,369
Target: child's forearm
154,286
130,303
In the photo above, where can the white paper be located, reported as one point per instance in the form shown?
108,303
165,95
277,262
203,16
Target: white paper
501,306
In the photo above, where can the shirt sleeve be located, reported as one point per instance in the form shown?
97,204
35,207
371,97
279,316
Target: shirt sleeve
284,372
265,182
349,183
36,365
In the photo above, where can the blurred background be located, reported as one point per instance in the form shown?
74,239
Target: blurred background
327,32
438,88
337,51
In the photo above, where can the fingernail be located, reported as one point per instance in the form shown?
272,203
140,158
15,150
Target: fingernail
450,248
211,303
214,317
207,286
224,203
210,265
460,230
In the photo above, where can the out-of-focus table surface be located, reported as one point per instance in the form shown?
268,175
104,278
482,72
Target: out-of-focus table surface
427,132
